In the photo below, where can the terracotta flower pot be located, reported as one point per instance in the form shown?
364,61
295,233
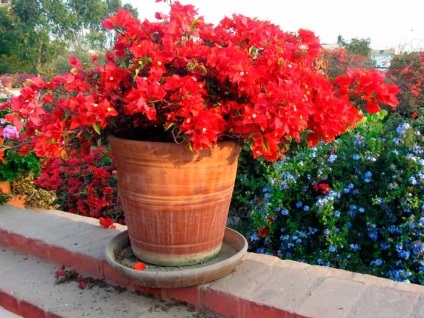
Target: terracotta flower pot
175,201
5,187
18,201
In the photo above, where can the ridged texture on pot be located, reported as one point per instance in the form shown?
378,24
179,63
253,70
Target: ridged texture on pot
176,201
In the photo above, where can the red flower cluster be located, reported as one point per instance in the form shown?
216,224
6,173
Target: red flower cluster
85,185
408,71
106,222
322,187
244,79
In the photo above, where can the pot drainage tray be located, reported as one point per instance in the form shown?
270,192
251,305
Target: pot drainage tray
120,257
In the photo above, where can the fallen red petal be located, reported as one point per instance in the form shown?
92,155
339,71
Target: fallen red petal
59,273
82,284
139,266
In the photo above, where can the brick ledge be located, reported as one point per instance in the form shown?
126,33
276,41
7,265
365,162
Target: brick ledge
261,286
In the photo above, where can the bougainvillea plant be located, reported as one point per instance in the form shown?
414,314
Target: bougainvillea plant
184,80
408,70
85,185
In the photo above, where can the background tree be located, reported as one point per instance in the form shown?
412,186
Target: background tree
357,46
33,33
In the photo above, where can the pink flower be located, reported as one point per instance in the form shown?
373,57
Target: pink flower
10,132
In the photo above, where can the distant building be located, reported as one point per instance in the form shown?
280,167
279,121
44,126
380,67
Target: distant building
383,58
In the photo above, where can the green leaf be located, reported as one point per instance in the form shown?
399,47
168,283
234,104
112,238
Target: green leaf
170,126
97,128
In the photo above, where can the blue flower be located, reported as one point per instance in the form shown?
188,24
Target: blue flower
401,129
367,176
299,204
260,250
331,248
254,237
326,232
393,229
332,158
418,248
371,158
377,262
404,254
354,247
283,186
336,214
384,246
413,181
373,235
399,275
284,212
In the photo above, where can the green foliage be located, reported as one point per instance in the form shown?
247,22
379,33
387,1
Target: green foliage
24,186
358,46
61,64
248,185
34,33
16,165
355,204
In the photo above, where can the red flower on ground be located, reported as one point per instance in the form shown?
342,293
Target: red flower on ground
107,222
59,273
139,266
82,284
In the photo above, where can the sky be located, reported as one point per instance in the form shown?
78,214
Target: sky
388,24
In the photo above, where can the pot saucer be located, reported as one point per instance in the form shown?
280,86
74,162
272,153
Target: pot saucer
234,248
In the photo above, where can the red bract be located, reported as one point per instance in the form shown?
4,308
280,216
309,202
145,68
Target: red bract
139,266
182,79
85,185
59,273
407,70
263,232
106,222
82,284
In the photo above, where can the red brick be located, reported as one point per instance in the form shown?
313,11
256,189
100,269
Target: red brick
4,238
222,303
18,242
39,249
31,311
191,295
112,275
147,290
61,256
10,303
87,264
255,310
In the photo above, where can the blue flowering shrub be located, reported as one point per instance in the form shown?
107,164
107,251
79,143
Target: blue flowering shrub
355,204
